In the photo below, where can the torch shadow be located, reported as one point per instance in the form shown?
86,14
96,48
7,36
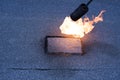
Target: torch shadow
102,47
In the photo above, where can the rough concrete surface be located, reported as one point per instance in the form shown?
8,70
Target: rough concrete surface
24,25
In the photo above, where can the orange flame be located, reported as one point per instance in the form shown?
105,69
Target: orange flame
80,27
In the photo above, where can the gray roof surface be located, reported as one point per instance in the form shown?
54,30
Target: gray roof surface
24,25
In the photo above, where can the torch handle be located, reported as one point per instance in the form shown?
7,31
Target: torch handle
89,2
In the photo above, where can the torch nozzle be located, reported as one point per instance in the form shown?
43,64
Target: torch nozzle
89,2
80,11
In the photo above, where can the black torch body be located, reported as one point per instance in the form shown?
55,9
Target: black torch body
80,11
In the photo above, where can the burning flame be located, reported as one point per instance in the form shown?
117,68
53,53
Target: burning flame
80,27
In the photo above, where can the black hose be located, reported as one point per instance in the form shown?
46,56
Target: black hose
89,2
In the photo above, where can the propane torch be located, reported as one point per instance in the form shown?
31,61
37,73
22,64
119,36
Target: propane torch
80,11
